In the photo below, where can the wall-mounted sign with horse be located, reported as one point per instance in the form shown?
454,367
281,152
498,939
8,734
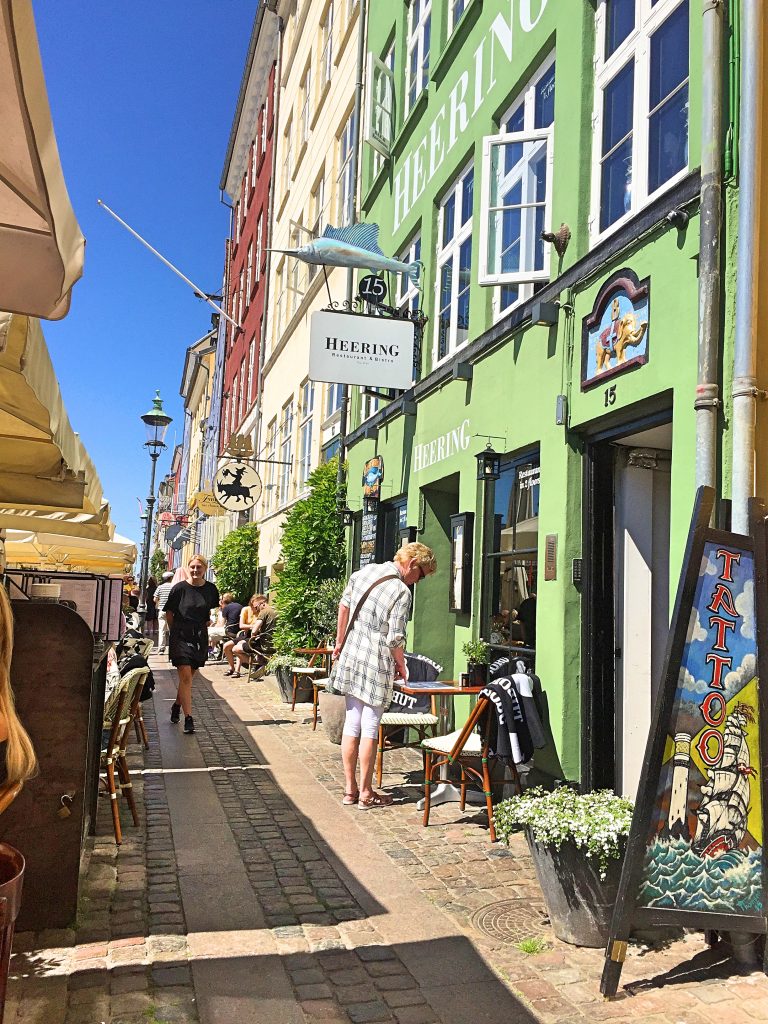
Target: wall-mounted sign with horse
237,486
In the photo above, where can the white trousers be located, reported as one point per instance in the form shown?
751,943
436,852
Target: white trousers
162,630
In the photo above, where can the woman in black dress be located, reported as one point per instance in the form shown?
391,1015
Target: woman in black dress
188,612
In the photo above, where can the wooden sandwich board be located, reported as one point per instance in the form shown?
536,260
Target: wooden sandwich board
695,854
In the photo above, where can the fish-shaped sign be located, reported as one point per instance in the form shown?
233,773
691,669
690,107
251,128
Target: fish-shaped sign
353,246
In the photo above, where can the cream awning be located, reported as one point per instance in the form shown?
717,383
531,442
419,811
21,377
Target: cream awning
41,246
46,475
52,551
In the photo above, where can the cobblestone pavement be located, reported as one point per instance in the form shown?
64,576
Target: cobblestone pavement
311,942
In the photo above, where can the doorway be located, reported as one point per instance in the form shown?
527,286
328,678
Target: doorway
626,613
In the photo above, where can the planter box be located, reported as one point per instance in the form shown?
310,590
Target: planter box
333,709
580,904
285,682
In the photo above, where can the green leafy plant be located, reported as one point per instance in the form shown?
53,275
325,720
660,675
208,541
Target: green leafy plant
286,661
598,823
313,551
477,652
326,610
532,946
236,560
158,564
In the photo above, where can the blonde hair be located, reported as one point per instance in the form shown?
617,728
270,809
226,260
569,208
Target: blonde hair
198,558
256,597
423,556
20,759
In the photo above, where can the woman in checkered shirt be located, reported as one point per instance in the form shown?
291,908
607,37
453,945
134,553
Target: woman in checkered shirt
372,658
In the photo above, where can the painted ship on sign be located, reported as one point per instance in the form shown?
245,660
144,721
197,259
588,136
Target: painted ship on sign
722,814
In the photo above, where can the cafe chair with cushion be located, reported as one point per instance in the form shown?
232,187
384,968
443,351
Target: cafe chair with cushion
311,674
394,721
459,748
118,715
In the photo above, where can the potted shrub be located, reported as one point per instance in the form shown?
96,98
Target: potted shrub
280,665
478,654
577,841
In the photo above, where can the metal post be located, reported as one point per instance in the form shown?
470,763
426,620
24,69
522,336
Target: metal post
707,400
744,355
354,168
144,575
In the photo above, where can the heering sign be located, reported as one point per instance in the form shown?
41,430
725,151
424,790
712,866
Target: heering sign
464,100
443,447
372,351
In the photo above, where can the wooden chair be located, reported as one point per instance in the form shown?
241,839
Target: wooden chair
392,721
457,748
314,673
118,715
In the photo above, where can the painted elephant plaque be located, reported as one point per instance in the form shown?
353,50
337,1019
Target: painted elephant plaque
615,336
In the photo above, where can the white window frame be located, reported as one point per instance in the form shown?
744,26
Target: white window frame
251,362
296,269
254,161
288,153
241,302
635,48
259,243
237,222
484,276
453,21
263,129
345,186
405,298
281,305
415,42
333,391
249,271
380,103
307,409
451,252
286,453
326,45
306,104
271,455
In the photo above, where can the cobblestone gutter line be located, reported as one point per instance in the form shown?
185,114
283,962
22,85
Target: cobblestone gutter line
336,960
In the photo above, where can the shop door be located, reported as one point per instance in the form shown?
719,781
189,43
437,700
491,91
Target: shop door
626,600
641,588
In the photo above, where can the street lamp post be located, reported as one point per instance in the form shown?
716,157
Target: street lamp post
156,422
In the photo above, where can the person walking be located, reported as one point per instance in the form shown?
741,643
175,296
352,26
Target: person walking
161,596
150,619
370,655
188,611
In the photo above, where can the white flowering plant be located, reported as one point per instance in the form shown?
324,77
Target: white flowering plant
598,823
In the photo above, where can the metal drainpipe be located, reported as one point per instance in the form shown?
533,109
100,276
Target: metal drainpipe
744,357
710,221
354,164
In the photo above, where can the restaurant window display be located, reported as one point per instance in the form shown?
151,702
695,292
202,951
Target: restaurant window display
513,555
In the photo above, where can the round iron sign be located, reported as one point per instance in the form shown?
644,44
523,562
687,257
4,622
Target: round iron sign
237,486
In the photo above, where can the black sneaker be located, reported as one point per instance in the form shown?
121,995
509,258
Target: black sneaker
175,713
189,723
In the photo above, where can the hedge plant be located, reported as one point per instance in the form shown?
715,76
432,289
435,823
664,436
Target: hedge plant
158,564
236,561
313,552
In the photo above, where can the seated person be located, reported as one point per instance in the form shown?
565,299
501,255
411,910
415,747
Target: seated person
246,622
228,614
259,645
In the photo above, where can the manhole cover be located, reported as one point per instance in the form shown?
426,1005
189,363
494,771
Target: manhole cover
510,920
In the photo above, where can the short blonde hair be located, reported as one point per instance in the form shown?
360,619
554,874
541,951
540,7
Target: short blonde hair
198,558
423,556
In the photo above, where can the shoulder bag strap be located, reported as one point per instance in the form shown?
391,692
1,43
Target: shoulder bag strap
361,602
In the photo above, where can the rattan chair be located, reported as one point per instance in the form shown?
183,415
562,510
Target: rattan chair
392,721
118,715
458,748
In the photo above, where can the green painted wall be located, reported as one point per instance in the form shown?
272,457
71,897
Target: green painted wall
513,391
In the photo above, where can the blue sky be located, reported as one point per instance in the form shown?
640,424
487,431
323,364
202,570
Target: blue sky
142,96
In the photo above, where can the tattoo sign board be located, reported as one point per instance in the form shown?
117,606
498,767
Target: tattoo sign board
695,853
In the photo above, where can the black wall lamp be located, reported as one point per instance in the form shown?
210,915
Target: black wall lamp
347,516
488,464
370,506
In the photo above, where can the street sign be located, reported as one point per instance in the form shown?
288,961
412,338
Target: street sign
207,503
372,289
695,855
237,486
354,348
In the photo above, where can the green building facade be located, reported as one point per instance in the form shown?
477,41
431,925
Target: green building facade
574,359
